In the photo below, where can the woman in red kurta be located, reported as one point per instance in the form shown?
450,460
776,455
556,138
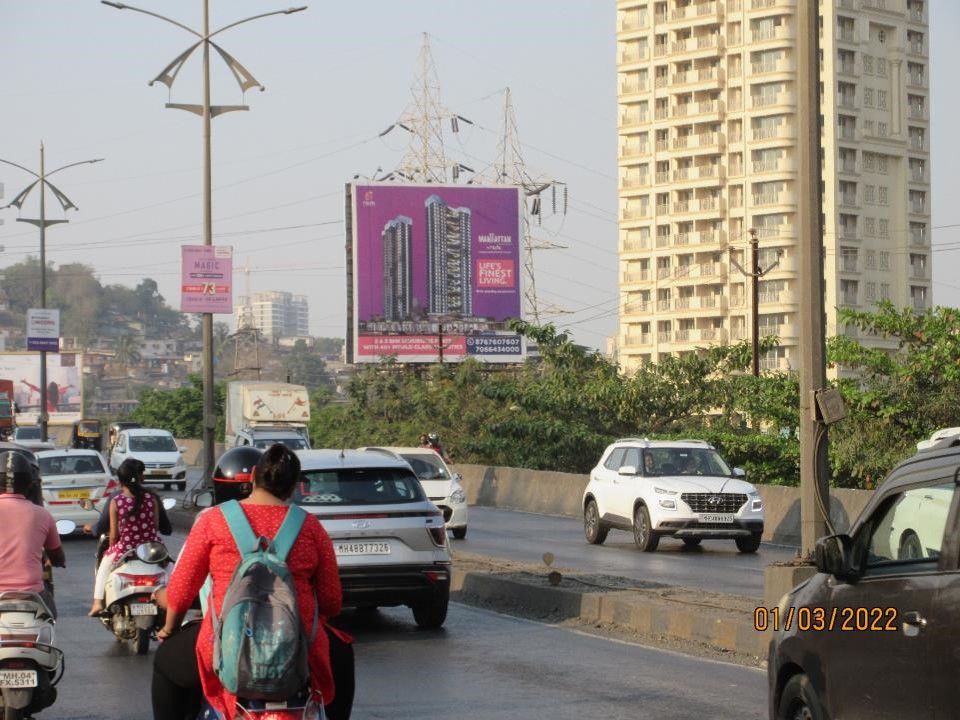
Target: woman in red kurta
210,549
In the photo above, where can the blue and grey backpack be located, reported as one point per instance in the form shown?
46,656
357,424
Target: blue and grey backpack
260,648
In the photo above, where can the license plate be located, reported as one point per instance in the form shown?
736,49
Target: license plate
74,494
18,678
143,609
717,518
159,472
362,548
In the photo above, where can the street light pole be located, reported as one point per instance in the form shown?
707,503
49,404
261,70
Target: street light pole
42,222
206,111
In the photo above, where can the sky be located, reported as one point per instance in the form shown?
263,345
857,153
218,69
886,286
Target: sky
76,76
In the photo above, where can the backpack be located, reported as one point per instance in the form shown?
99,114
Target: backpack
260,648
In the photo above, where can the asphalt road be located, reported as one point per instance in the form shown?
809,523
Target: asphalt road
479,665
715,565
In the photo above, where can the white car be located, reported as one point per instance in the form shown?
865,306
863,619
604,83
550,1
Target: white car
680,489
441,485
157,450
29,437
71,477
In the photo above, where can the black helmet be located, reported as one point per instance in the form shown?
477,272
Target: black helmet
433,439
17,472
232,478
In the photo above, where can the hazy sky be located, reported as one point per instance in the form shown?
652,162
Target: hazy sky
76,73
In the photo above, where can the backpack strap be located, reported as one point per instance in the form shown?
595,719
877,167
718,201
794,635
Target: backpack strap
239,526
289,530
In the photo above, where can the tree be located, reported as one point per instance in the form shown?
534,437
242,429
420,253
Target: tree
304,366
127,351
179,411
78,293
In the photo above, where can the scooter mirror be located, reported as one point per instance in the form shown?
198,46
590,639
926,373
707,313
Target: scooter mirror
203,499
66,527
86,504
152,552
169,503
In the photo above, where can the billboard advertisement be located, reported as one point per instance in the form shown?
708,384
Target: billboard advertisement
64,386
435,272
206,279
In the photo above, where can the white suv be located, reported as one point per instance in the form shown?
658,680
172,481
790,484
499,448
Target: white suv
678,488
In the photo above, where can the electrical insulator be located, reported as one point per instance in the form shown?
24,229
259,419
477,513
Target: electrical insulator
564,199
454,125
536,206
553,198
456,172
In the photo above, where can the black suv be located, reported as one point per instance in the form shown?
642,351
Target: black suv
876,633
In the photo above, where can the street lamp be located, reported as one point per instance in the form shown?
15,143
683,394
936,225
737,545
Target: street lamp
42,223
206,111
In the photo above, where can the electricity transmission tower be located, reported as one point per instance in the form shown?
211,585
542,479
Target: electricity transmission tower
246,339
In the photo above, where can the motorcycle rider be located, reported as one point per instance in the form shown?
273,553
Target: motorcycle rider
176,690
433,442
27,531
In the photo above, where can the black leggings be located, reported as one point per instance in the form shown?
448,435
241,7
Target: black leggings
177,695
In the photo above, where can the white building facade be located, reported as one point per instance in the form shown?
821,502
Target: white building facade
275,314
708,151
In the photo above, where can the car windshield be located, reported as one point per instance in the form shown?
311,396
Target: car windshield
427,467
70,465
292,443
27,433
684,461
152,443
359,486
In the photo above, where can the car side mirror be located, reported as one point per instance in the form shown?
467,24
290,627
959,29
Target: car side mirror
203,499
739,473
182,449
457,477
627,470
834,556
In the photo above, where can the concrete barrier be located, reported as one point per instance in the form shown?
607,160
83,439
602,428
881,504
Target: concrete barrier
557,493
194,453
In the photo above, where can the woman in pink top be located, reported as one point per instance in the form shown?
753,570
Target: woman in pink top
134,519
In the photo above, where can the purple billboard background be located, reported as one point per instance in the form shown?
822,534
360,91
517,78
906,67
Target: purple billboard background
494,210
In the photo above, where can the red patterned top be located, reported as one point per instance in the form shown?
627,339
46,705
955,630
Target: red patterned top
133,531
210,549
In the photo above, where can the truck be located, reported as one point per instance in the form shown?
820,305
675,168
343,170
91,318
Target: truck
8,408
262,413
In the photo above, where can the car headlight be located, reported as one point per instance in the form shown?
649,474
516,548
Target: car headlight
756,503
668,503
458,496
663,491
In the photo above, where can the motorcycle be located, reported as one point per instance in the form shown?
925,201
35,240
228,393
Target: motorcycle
30,664
131,612
303,707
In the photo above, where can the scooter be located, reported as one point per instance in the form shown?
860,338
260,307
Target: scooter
303,707
30,665
131,612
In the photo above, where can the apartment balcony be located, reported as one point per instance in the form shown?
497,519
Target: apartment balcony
848,167
704,45
636,245
698,172
848,200
634,55
682,335
663,177
917,79
712,335
634,340
664,305
660,50
637,276
735,170
698,205
847,132
710,237
918,207
681,239
917,48
917,143
633,87
773,364
777,132
662,112
847,102
636,213
663,209
703,141
631,23
915,15
737,301
919,303
664,336
845,35
781,165
778,33
661,81
847,68
735,105
919,273
631,151
663,145
779,297
709,269
634,181
767,4
773,198
848,300
848,263
706,11
884,6
918,237
919,176
917,113
628,119
785,330
849,234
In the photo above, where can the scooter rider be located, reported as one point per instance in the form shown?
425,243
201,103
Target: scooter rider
26,529
176,688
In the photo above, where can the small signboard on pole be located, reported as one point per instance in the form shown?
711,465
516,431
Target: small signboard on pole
206,279
43,329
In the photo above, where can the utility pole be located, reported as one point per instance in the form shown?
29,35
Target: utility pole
755,274
42,223
814,469
207,112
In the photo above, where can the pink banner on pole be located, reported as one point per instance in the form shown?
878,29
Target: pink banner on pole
206,279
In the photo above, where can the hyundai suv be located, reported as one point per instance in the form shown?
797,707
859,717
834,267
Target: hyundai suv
680,489
389,538
874,634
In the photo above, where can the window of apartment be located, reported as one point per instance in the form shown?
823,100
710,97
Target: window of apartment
848,224
883,194
768,257
867,64
848,292
848,259
871,227
848,192
918,296
884,260
846,94
881,67
868,97
869,161
881,129
918,263
870,291
882,99
882,163
918,233
883,227
868,127
884,291
871,259
869,194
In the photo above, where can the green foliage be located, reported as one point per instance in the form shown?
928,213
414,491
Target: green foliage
179,411
304,366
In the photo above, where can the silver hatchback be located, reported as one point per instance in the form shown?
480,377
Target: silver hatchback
389,538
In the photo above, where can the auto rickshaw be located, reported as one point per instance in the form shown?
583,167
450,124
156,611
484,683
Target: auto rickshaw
88,434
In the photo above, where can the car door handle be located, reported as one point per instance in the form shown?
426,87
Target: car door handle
913,623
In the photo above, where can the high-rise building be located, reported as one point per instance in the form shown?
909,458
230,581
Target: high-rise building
275,314
449,259
708,95
398,269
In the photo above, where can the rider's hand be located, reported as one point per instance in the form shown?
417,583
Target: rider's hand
160,597
88,529
163,634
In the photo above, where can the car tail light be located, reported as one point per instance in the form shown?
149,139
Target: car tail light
435,576
438,535
112,485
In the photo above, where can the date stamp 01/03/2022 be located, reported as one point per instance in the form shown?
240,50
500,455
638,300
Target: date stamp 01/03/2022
818,619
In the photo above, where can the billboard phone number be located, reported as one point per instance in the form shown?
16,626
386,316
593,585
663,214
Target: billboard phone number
845,619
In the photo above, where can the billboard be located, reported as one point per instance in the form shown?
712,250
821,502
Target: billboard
64,386
206,279
434,272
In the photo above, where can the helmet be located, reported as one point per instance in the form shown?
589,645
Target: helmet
433,438
232,477
17,472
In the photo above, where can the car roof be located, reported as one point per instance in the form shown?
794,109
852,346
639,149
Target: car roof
133,432
644,442
334,459
66,451
404,450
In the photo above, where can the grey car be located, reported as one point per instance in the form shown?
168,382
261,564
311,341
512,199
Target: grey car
874,634
389,538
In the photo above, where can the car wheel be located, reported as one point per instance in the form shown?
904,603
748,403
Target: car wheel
431,613
644,537
910,547
749,544
799,700
593,529
459,533
691,542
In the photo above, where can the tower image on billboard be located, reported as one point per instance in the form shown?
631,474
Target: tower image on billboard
397,269
449,258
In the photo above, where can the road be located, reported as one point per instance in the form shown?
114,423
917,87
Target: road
480,664
715,565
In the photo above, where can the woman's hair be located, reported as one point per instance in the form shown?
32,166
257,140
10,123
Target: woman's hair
128,474
278,471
